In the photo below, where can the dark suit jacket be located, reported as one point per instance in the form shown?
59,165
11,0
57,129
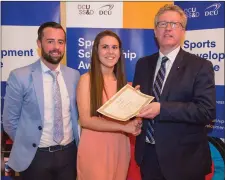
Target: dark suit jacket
187,104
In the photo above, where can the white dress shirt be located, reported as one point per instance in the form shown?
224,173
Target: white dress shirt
47,134
171,56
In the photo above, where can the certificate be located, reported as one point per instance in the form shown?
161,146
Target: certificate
125,104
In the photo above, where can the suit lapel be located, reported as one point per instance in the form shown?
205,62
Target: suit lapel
173,76
38,86
149,82
67,77
152,68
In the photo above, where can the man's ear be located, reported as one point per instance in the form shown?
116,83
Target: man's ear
155,33
39,43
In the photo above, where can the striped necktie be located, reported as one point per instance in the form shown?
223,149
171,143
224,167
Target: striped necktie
157,88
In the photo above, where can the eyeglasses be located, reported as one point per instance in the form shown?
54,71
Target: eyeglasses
174,25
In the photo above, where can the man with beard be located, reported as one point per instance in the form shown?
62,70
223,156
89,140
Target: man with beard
40,113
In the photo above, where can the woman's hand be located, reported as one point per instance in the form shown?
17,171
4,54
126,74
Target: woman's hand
133,126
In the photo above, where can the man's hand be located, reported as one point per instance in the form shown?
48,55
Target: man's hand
150,111
137,88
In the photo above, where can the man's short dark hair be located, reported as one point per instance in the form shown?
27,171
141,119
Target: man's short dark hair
51,25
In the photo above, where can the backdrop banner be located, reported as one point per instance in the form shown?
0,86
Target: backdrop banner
132,21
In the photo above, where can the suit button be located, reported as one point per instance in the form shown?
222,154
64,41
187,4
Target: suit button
34,145
39,127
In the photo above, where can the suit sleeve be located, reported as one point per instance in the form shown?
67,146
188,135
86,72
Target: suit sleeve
136,74
12,105
202,108
77,76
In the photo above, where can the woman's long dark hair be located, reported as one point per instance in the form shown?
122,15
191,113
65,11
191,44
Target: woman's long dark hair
96,76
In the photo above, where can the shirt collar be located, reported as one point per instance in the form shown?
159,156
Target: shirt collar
171,56
45,68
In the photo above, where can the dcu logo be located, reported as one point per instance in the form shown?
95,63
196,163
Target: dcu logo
191,12
85,9
212,10
106,9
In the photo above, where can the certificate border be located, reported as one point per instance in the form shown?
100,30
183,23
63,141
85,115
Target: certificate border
127,86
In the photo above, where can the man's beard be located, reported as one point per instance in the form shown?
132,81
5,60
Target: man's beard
49,58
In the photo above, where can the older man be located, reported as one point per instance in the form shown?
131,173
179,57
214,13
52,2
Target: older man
173,144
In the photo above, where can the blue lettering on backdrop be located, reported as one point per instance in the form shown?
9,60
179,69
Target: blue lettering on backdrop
210,55
217,127
20,52
205,44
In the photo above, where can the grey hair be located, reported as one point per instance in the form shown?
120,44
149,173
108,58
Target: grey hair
172,7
